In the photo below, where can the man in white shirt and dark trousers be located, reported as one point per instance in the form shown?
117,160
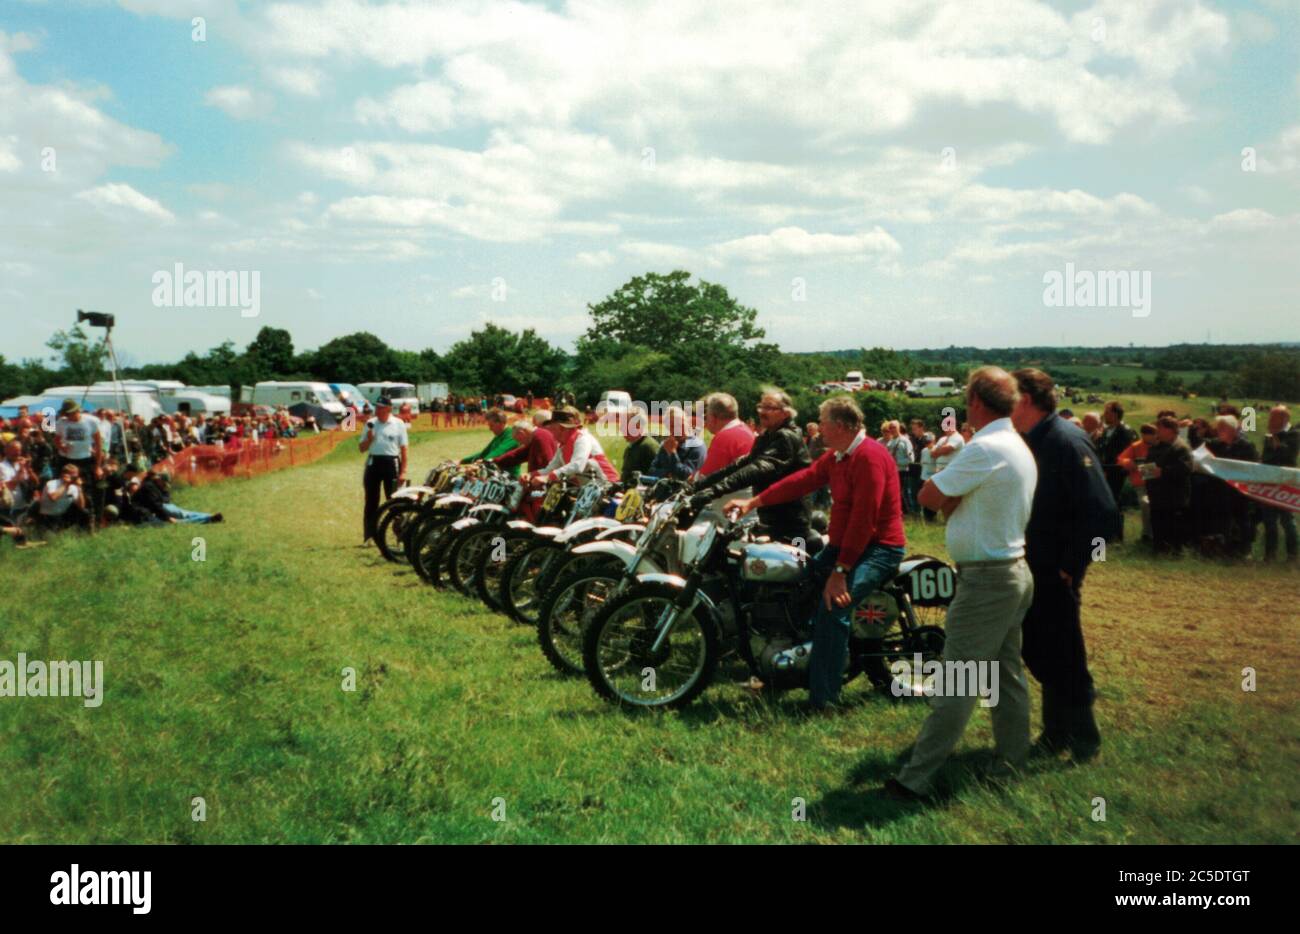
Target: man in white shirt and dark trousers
386,440
986,492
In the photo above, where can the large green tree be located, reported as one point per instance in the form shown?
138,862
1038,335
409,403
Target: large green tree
270,355
353,358
493,359
82,358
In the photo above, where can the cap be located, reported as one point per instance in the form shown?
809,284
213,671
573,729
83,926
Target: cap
565,415
384,401
70,407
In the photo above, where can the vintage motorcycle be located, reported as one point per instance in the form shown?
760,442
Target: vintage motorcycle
659,641
399,510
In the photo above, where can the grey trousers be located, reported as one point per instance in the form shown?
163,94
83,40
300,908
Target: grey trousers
983,625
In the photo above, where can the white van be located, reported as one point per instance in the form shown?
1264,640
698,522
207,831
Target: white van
855,380
932,387
614,401
398,393
92,398
271,392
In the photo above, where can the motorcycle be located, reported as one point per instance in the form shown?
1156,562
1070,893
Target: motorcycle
658,643
399,510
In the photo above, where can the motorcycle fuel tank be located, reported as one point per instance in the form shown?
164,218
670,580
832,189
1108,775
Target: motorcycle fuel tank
772,563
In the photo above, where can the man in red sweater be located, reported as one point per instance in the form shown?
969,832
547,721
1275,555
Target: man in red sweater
536,448
732,438
866,534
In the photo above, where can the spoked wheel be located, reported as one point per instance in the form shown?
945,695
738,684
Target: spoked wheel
519,596
463,556
918,630
492,563
623,664
391,527
429,540
569,606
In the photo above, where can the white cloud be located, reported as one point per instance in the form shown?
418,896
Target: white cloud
795,242
596,259
238,102
115,197
426,107
305,82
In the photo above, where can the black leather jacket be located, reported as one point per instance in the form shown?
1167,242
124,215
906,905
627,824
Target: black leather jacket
775,455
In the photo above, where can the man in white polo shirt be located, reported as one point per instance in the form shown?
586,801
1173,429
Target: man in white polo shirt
385,440
986,492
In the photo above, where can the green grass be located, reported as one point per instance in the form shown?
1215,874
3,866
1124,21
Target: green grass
224,680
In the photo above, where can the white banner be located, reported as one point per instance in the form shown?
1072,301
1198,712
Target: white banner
1274,486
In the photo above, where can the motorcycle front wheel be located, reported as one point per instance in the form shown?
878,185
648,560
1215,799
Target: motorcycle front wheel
567,607
622,663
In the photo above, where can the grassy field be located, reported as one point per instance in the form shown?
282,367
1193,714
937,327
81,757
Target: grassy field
223,680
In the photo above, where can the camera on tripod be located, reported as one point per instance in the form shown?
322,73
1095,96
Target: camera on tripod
97,319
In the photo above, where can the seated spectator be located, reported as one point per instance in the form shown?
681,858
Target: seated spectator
63,501
151,503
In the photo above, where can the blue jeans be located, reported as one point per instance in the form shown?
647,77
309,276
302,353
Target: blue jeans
186,515
830,651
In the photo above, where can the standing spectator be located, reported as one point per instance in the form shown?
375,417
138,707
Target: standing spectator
927,473
1232,506
921,441
1073,512
900,449
986,492
1116,438
1092,427
1131,460
1168,473
866,537
1281,449
732,438
385,440
946,446
79,442
820,498
966,432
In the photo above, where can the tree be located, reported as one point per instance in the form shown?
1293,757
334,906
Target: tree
667,311
494,359
270,355
83,360
353,358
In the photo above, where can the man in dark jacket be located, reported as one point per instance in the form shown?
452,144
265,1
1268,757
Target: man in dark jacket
778,452
1169,486
641,448
1115,440
1232,508
1073,514
1281,449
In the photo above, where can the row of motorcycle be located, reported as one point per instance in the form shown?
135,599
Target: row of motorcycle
647,588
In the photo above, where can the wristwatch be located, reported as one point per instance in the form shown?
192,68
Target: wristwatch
841,569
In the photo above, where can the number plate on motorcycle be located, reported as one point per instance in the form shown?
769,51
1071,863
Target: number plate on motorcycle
552,498
629,507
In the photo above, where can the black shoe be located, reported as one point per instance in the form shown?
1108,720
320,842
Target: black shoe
1085,738
895,790
218,517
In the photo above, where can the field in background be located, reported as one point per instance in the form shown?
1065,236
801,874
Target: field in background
224,680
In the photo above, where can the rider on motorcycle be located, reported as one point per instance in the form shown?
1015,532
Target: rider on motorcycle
579,453
778,452
866,534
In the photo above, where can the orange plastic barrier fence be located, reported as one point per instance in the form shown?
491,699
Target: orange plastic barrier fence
206,463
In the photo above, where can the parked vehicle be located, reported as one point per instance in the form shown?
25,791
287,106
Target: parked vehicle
287,393
398,393
349,396
136,401
428,392
933,387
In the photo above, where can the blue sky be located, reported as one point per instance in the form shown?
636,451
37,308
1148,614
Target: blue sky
895,173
